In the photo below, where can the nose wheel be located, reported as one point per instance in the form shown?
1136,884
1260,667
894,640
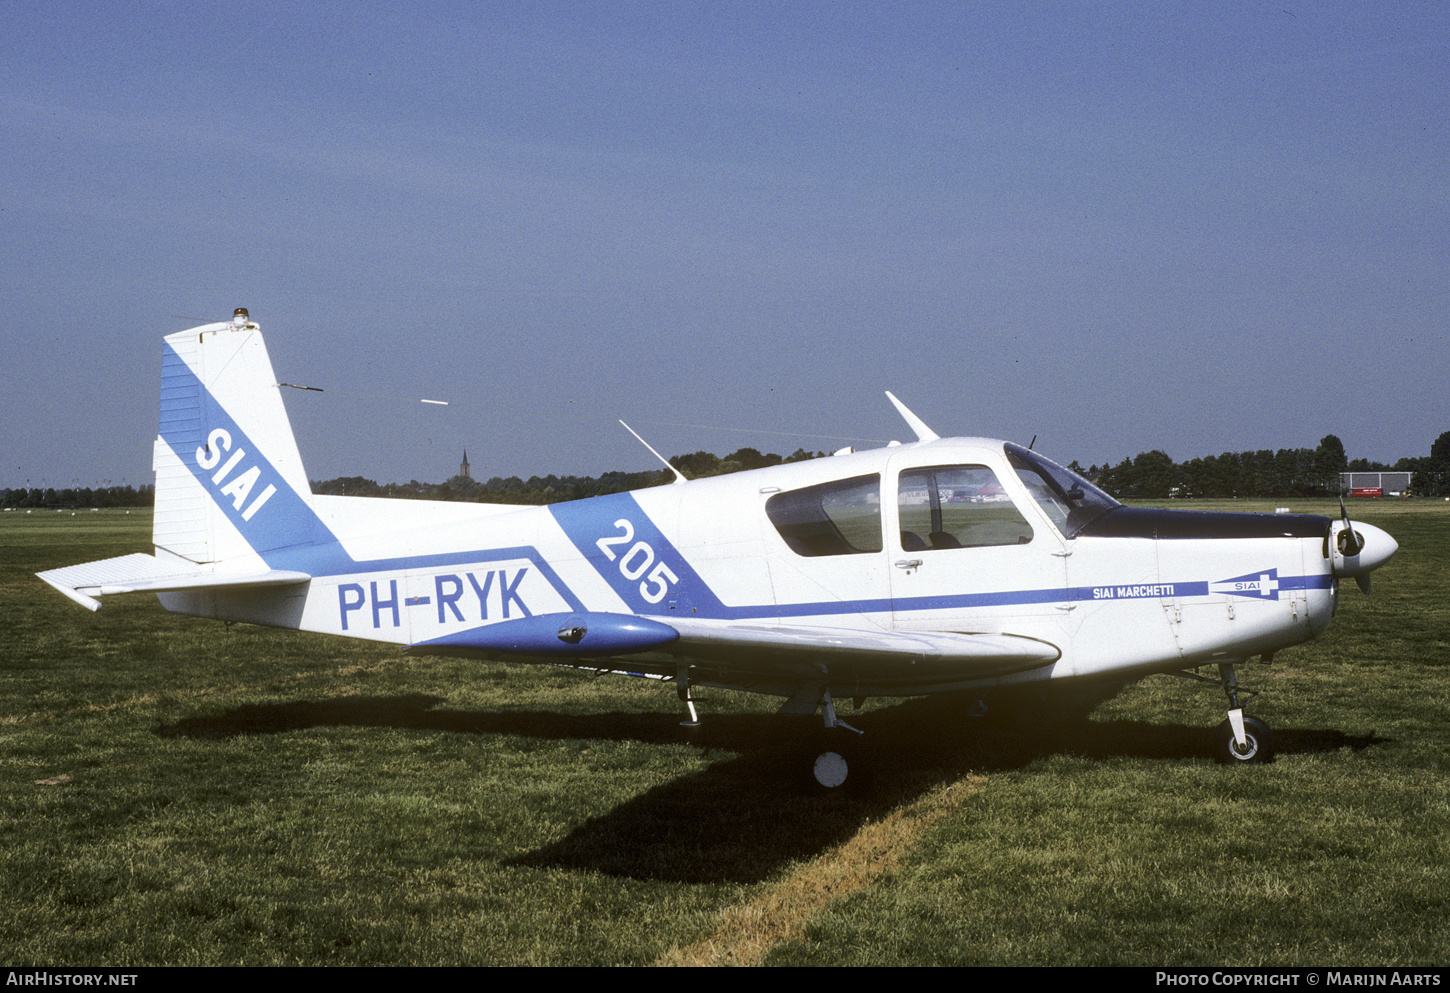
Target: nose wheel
1257,745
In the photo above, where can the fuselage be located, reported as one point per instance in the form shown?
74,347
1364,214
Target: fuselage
961,536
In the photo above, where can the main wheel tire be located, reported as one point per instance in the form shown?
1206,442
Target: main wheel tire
831,770
836,766
1258,743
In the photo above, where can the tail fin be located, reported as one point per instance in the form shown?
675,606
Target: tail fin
229,479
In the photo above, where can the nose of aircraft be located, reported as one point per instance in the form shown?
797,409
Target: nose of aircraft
1359,549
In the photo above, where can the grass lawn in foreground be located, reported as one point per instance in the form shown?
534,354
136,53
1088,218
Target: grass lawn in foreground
176,791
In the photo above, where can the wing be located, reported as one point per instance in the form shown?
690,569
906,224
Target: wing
771,658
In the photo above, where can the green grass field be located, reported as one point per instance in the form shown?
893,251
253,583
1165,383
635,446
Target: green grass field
180,792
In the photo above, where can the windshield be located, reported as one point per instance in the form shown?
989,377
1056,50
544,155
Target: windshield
1069,500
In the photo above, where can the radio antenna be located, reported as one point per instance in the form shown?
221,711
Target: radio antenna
679,478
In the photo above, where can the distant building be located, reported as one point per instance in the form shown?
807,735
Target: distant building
1373,484
463,469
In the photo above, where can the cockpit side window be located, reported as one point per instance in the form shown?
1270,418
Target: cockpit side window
957,506
837,518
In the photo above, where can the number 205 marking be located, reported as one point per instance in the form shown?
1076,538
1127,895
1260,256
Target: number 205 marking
636,562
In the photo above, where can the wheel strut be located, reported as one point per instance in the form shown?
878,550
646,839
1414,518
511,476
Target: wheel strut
828,712
1230,684
682,684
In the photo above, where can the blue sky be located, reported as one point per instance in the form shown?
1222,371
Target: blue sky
1197,227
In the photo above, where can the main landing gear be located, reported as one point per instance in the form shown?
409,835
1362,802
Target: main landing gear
834,761
1240,740
837,763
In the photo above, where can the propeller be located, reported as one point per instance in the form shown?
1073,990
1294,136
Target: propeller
1350,544
1359,549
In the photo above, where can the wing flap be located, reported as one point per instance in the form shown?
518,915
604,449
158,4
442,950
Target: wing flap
975,653
139,572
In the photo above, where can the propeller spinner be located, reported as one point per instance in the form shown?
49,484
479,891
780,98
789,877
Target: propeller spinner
1358,549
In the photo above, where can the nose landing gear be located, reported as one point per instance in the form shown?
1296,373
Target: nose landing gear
1240,739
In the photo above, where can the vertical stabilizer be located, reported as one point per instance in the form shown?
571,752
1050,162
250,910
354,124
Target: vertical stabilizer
229,480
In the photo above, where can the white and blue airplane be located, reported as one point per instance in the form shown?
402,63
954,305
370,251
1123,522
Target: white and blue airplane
943,565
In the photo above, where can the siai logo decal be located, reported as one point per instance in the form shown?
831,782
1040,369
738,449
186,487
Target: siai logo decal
1259,585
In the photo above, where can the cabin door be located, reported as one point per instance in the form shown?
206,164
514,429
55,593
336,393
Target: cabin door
965,557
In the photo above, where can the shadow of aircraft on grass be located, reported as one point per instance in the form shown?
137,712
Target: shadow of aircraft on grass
739,820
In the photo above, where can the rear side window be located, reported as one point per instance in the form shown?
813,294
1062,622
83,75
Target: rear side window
837,518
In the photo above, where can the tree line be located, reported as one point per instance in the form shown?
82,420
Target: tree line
73,498
1153,475
1149,475
1432,472
1264,473
557,489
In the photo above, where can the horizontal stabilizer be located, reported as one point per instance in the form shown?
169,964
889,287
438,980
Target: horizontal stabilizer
142,573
